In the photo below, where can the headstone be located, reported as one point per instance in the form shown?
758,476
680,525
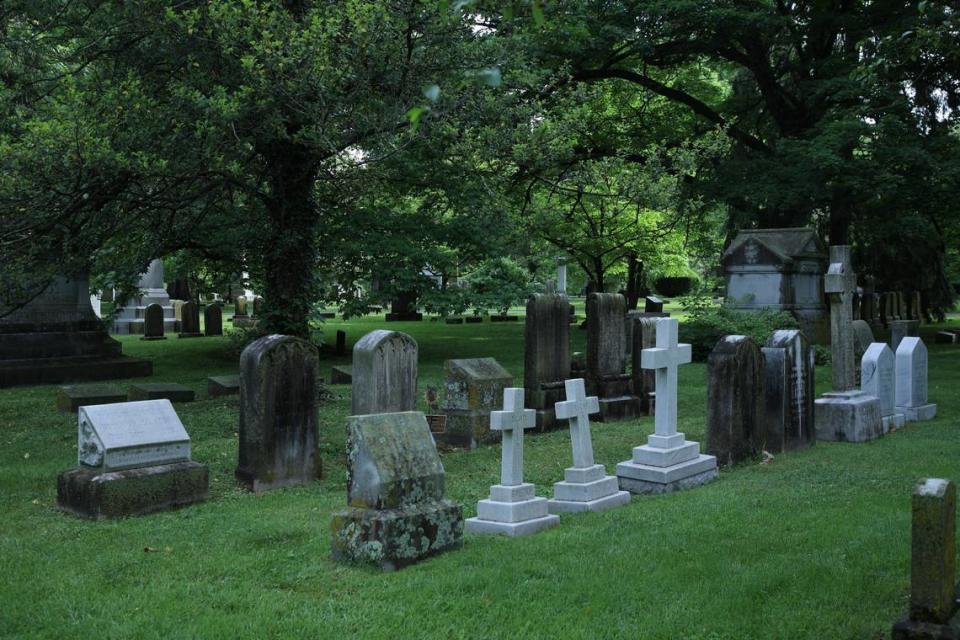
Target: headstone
223,386
71,398
171,391
845,413
933,564
877,380
644,380
668,462
862,339
562,276
546,355
513,508
900,329
279,378
384,373
886,309
341,348
341,374
735,400
132,458
788,391
653,304
190,324
257,306
213,320
472,388
606,348
586,485
130,316
403,308
153,323
911,375
396,512
240,306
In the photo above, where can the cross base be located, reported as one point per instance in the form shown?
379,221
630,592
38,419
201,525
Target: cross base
847,416
586,489
630,473
919,414
511,511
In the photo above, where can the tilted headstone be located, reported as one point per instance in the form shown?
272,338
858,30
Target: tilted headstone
279,378
911,375
213,320
586,485
877,380
513,509
396,512
606,348
788,391
845,413
132,458
190,323
735,400
933,564
473,387
153,321
546,354
668,462
644,380
384,373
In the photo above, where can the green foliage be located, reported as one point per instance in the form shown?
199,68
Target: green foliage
498,283
707,323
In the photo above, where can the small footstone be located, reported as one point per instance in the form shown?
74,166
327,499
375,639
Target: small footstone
223,386
342,374
161,390
71,398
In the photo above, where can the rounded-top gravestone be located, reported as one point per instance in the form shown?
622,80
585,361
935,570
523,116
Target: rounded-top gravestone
735,416
213,320
384,373
153,319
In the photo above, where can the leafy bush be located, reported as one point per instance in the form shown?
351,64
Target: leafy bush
498,283
673,287
707,323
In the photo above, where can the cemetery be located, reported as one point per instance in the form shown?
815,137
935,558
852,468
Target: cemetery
464,320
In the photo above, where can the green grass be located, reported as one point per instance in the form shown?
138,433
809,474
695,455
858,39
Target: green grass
814,545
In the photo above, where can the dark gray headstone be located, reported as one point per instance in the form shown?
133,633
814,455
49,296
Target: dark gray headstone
546,354
643,380
606,350
190,323
384,373
213,320
341,348
258,306
279,378
240,306
653,304
153,322
788,391
735,400
472,388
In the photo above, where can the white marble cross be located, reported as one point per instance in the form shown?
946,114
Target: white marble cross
665,358
577,408
513,420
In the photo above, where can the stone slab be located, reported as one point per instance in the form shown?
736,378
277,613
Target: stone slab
612,501
71,369
511,529
71,398
665,475
619,408
657,457
341,374
644,487
128,435
512,511
93,494
848,417
161,390
223,386
514,493
585,491
895,421
584,474
919,414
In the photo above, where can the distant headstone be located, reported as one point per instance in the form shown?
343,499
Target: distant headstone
190,323
129,317
258,306
384,373
223,386
133,458
341,345
240,306
472,388
900,329
862,339
153,321
279,377
213,320
396,512
403,308
546,354
72,397
946,337
911,375
653,304
161,391
513,508
562,275
877,380
735,400
644,380
606,348
341,374
788,391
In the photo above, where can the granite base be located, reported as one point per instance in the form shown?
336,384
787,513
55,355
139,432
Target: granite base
919,414
848,416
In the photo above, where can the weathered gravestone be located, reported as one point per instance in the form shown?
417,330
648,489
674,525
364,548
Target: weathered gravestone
735,400
911,375
513,508
279,378
668,462
258,306
384,373
546,354
862,339
643,380
132,458
877,380
72,397
190,322
586,485
223,386
606,348
472,388
240,306
213,320
341,374
900,329
788,391
153,321
396,512
933,565
845,413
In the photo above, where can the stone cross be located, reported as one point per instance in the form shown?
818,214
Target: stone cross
512,421
840,285
577,408
665,358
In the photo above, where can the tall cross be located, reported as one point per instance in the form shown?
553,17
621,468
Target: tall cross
840,284
512,421
665,358
577,408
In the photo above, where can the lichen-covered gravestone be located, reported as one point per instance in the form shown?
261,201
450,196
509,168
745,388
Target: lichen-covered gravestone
190,322
153,321
735,407
644,336
788,391
911,375
279,378
396,512
132,458
877,380
862,339
213,320
606,349
546,354
472,388
384,373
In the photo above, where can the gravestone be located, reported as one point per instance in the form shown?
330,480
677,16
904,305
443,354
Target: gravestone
472,388
668,462
341,374
862,339
513,508
845,413
403,308
606,348
643,380
132,458
916,306
341,345
130,315
546,354
279,379
384,373
190,324
153,323
586,485
240,306
946,337
161,391
652,304
257,306
900,329
735,400
911,376
788,391
223,386
213,320
71,398
396,513
933,564
562,275
877,380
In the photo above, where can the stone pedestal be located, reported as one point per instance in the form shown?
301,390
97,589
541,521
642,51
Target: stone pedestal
223,386
847,416
130,318
512,511
666,464
586,489
71,398
472,387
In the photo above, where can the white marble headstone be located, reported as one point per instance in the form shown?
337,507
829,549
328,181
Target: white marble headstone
128,435
911,380
877,380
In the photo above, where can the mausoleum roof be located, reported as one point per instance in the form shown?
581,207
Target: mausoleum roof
786,244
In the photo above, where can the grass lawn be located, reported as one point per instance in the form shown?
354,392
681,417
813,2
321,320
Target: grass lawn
813,545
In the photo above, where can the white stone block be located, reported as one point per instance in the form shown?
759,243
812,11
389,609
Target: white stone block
584,474
585,492
511,529
129,435
666,442
612,501
512,511
656,457
512,493
664,475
